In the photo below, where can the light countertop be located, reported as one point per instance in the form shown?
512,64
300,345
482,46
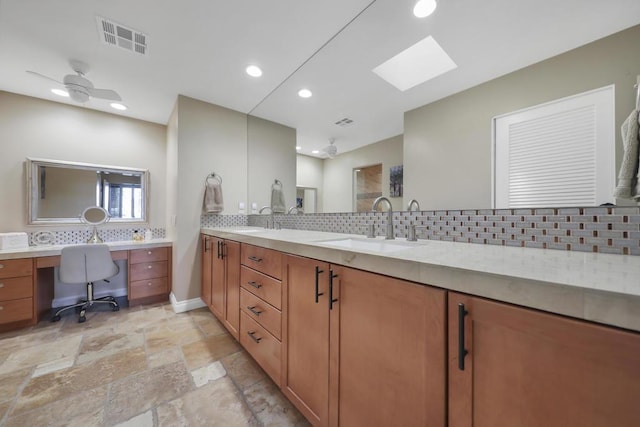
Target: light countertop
53,250
598,287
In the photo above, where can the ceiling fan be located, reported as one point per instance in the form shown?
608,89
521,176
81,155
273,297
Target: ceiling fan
331,150
80,88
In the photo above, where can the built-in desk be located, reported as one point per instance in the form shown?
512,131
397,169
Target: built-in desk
27,278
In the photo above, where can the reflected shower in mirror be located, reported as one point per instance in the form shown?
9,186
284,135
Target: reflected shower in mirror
58,192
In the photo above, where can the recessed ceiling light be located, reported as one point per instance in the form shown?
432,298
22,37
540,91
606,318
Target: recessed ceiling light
424,8
254,71
60,92
304,93
118,106
315,152
298,148
415,65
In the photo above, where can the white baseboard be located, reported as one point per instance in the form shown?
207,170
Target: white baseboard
187,305
72,299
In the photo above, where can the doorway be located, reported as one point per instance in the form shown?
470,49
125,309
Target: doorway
367,183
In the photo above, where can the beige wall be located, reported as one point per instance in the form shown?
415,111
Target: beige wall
31,127
309,173
271,155
209,139
338,173
447,144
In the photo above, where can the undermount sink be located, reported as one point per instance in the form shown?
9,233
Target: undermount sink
372,245
248,230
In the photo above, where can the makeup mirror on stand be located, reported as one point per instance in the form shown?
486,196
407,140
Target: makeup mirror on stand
94,215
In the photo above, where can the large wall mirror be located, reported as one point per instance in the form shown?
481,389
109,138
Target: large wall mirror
443,141
58,192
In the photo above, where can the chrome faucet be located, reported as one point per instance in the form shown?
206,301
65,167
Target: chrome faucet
262,209
412,203
374,208
294,209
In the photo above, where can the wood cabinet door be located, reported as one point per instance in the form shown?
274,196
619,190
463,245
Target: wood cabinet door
207,259
388,352
529,368
217,278
305,336
232,295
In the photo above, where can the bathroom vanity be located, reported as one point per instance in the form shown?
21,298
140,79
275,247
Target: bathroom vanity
27,278
362,331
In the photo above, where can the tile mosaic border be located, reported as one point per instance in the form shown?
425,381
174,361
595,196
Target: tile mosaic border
82,234
614,230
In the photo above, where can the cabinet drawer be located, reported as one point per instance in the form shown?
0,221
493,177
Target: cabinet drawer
148,288
16,288
265,287
16,267
148,255
147,270
15,310
263,313
264,260
263,346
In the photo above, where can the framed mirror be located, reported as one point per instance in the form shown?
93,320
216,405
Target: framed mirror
58,192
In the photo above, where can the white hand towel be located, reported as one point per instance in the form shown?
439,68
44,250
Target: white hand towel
212,202
628,185
277,199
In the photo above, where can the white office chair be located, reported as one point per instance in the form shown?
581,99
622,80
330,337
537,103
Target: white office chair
86,264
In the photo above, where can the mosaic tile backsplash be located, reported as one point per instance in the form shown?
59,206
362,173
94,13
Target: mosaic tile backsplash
82,234
614,230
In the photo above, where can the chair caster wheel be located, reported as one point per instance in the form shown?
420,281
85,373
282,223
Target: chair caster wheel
55,318
116,308
82,319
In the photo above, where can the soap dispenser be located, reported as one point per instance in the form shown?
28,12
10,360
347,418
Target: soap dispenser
148,234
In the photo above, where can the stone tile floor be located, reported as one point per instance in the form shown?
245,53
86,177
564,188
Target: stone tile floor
139,367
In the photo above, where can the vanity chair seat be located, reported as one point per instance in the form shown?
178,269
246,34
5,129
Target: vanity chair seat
86,263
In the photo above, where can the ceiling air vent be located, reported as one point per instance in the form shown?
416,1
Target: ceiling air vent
118,35
345,122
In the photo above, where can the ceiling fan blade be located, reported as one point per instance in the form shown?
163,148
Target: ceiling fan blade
107,94
43,76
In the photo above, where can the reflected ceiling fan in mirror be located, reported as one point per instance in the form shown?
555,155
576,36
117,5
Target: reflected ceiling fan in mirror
331,150
79,88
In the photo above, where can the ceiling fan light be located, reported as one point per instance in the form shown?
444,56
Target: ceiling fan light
118,106
78,94
424,8
60,92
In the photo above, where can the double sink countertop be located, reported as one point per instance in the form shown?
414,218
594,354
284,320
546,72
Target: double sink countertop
597,287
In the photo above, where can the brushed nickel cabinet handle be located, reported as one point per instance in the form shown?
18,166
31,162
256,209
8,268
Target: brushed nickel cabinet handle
1,308
254,311
1,285
1,265
150,267
255,258
252,335
149,253
254,284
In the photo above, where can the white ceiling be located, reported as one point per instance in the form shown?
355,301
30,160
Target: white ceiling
200,48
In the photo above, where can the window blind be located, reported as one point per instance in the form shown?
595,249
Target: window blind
557,154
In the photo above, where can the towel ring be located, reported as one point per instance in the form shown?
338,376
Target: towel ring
213,176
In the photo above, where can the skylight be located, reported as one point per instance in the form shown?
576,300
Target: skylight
415,65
